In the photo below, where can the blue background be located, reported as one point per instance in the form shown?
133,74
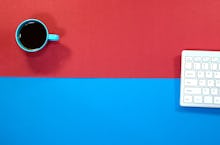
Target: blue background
58,111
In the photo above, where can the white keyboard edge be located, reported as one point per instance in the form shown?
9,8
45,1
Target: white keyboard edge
195,53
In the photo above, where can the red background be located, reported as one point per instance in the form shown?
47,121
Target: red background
109,38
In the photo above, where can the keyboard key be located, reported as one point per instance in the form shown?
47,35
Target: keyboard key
197,66
214,59
217,83
191,82
188,58
187,99
205,66
210,83
190,74
192,90
206,58
201,74
202,82
197,58
217,75
188,65
205,91
214,66
197,99
214,91
216,100
208,99
208,74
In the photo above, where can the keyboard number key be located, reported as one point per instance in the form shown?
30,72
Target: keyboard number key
208,99
214,66
205,66
197,66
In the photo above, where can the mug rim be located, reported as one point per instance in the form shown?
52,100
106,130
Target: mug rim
20,26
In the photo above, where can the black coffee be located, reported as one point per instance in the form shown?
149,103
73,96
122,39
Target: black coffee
33,35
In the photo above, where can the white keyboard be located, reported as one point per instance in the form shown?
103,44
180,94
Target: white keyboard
200,79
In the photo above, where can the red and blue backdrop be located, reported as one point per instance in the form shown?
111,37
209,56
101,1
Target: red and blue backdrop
112,79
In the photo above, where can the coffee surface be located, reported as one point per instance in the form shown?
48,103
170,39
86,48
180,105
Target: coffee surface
33,35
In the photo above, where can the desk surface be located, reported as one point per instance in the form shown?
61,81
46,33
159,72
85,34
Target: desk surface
109,38
105,38
101,112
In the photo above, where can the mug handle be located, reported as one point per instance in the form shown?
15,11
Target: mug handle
53,37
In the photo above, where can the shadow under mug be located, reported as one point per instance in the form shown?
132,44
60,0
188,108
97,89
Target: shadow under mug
49,37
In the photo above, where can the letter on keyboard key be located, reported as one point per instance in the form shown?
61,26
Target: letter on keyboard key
202,82
191,82
214,91
192,90
217,100
208,74
210,83
208,99
187,99
190,74
217,82
188,65
197,99
217,75
205,91
201,74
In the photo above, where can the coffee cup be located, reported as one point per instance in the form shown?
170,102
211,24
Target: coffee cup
32,35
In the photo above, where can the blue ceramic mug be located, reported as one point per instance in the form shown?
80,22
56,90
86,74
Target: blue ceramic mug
32,35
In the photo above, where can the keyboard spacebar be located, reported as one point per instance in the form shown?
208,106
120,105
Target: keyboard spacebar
192,90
